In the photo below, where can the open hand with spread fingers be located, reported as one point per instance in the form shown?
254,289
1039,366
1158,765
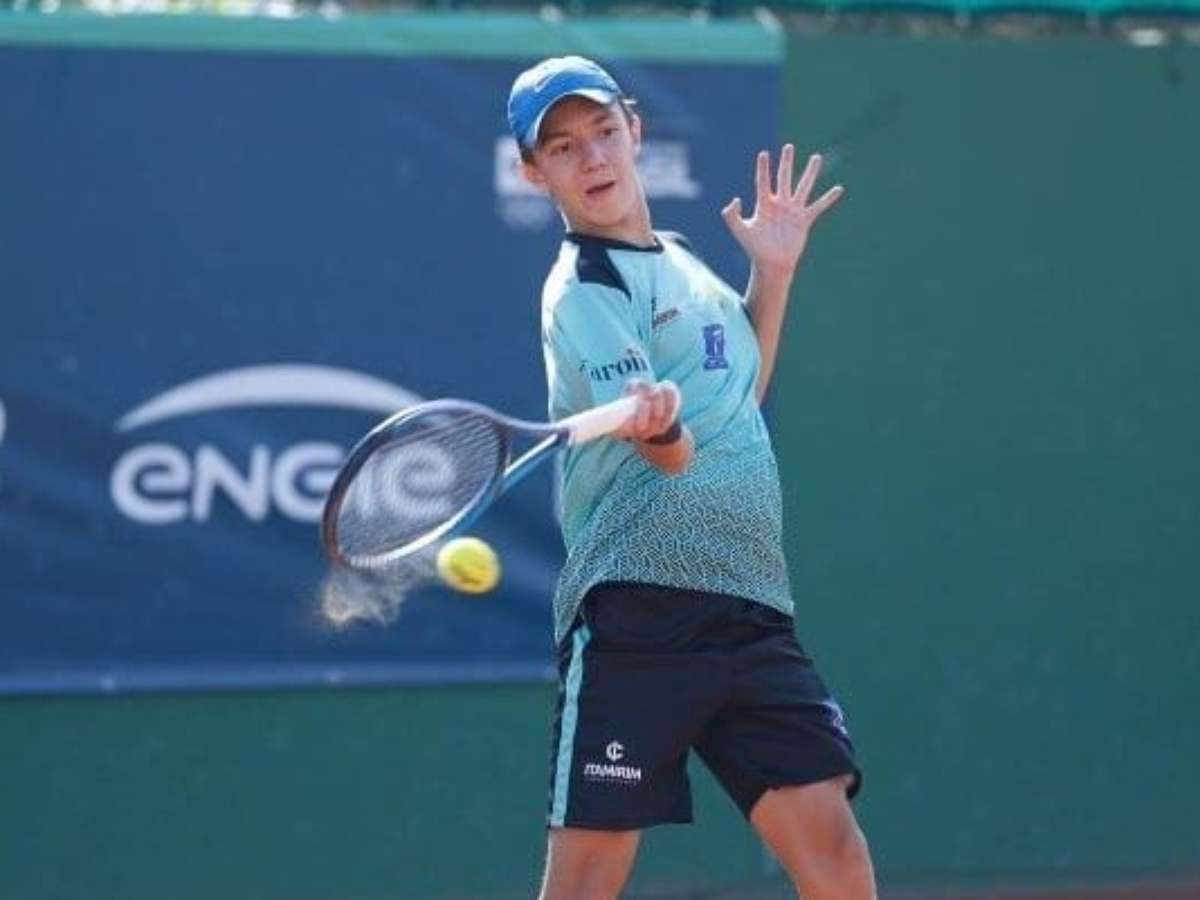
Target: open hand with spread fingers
776,232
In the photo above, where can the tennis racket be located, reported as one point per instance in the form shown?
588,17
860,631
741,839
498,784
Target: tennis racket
429,471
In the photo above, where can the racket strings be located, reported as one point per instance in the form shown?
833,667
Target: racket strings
429,471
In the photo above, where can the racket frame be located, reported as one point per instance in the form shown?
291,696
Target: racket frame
571,431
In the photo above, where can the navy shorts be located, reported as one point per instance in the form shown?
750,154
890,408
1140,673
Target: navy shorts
647,673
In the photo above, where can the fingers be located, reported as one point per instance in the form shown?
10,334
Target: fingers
635,427
808,178
658,407
783,183
762,176
827,199
732,214
783,180
633,387
672,401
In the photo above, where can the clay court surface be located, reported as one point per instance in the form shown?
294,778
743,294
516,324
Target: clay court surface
1130,891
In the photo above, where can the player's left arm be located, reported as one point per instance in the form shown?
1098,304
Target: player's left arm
774,237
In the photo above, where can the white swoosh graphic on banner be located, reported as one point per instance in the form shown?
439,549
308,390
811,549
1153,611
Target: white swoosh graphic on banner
278,385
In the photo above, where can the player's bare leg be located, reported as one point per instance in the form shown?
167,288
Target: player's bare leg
813,833
587,864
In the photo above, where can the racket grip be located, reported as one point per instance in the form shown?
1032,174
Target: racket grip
602,420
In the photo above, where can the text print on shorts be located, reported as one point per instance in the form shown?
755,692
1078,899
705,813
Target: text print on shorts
610,772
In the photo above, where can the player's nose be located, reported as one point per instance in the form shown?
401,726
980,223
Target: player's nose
592,154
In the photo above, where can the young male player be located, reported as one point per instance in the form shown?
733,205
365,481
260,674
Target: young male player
673,611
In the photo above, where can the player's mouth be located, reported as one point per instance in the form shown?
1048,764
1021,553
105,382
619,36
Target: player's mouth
600,190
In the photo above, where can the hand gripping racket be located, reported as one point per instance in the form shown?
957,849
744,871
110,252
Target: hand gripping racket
429,471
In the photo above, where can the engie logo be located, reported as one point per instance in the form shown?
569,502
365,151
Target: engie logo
162,483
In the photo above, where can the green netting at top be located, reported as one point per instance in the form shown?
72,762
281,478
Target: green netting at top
634,27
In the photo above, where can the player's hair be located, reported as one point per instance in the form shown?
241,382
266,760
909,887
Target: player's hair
628,107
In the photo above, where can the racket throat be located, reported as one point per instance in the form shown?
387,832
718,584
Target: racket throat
527,461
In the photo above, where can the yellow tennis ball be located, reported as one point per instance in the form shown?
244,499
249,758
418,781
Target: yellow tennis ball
469,565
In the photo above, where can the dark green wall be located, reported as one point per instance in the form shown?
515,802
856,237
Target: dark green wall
987,419
302,796
990,422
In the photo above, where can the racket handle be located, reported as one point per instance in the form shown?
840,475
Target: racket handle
602,420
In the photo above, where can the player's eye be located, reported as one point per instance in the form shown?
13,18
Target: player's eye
559,148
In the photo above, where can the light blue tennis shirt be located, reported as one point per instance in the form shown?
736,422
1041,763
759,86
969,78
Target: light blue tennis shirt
612,312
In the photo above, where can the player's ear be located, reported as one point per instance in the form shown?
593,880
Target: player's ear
531,173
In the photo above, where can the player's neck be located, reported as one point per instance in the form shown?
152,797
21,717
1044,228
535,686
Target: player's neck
633,229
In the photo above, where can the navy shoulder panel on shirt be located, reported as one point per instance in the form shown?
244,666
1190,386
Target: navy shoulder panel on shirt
594,266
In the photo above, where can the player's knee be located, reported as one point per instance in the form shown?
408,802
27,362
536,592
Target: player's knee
600,887
850,848
838,864
586,880
588,865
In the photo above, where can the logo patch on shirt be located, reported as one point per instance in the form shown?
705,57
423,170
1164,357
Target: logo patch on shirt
632,361
667,315
714,347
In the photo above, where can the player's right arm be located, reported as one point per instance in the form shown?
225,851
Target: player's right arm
596,352
657,432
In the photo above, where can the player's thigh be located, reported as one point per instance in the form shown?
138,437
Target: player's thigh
588,864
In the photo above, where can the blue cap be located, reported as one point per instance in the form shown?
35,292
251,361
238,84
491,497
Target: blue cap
540,87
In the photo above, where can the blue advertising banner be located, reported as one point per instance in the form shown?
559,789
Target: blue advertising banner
220,266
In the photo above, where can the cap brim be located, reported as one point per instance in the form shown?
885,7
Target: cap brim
596,95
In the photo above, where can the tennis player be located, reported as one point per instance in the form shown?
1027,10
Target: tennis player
673,611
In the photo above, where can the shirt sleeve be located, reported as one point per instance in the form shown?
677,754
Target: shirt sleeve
594,342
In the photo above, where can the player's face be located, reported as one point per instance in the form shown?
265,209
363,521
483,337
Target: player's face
586,159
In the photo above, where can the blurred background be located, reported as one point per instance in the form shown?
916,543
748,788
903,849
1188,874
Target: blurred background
233,235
